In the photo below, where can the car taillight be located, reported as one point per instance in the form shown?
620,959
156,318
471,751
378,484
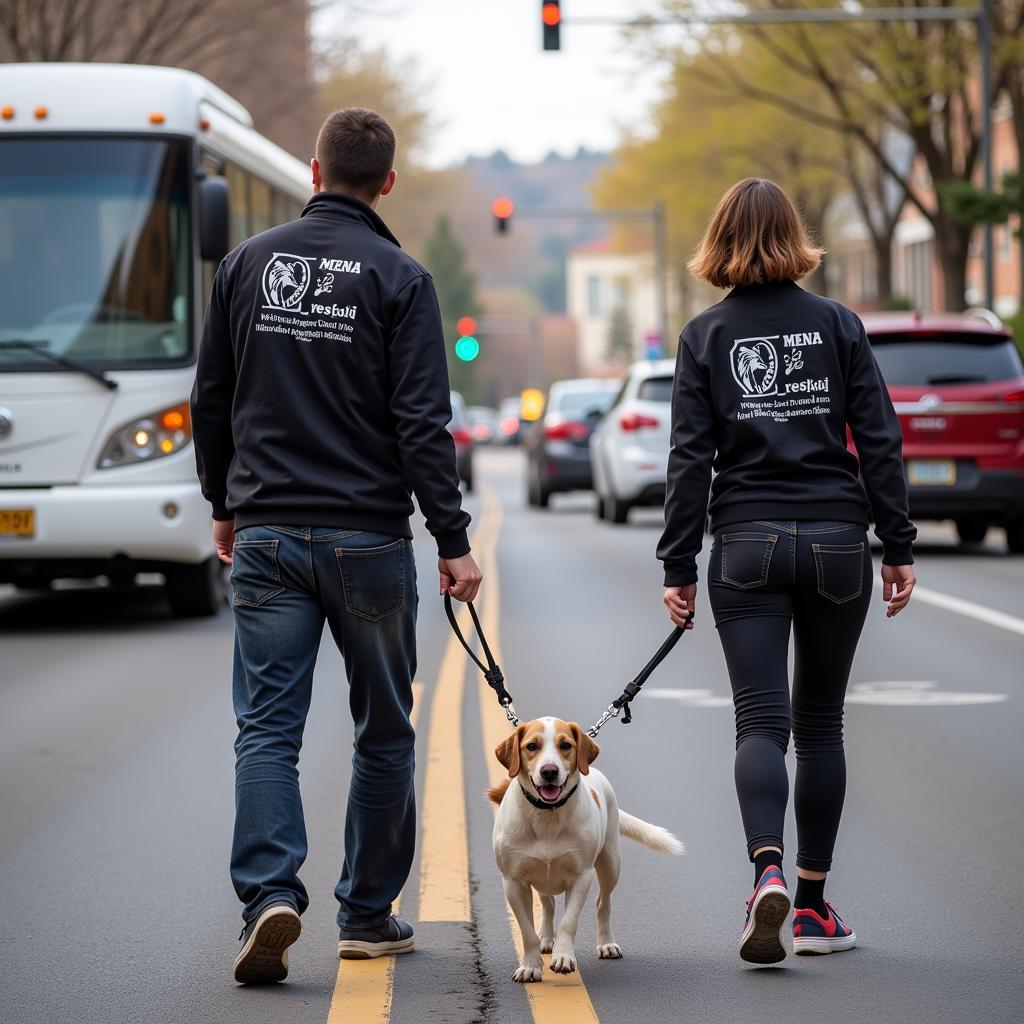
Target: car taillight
1013,396
509,425
481,431
557,429
631,421
462,435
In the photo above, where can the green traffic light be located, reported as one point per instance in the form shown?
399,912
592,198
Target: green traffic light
467,348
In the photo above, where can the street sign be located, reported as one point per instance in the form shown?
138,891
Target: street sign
653,348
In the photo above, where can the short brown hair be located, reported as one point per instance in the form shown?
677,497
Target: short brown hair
754,236
356,151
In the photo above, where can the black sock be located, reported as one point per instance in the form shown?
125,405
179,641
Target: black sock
765,859
810,895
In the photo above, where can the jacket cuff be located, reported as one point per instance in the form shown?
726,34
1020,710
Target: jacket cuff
897,553
453,544
680,574
220,512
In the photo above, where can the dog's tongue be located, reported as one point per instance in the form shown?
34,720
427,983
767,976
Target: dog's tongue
550,793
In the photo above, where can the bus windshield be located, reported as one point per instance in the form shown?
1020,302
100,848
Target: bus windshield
95,254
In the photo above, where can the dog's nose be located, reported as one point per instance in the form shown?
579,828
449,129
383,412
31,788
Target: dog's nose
549,772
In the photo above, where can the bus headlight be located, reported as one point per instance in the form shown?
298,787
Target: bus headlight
149,437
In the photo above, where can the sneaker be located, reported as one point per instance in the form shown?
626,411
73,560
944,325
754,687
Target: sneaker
813,934
264,957
767,909
393,936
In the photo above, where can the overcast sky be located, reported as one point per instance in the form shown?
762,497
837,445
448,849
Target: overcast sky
491,84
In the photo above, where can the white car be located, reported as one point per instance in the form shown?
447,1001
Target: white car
629,448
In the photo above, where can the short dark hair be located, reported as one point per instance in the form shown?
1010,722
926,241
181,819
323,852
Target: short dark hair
356,151
755,236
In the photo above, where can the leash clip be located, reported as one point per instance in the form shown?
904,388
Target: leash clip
610,712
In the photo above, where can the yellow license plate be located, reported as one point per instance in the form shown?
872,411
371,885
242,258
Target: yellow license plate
17,522
931,472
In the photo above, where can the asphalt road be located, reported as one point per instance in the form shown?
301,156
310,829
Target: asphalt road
116,803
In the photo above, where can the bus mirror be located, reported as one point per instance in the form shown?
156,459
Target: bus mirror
213,218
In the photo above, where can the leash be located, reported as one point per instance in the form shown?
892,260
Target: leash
496,679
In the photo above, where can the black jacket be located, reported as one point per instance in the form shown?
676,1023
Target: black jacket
321,394
766,383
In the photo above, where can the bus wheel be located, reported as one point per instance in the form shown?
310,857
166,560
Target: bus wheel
195,590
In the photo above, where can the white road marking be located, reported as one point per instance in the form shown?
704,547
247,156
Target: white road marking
961,606
916,693
694,698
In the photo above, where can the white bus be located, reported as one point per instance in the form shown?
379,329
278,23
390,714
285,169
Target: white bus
121,189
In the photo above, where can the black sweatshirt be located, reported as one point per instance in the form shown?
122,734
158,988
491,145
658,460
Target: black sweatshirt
766,383
321,394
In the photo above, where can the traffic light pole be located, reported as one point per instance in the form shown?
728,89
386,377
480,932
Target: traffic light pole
655,216
980,15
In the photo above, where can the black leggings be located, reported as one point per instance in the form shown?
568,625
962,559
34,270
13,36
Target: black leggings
764,578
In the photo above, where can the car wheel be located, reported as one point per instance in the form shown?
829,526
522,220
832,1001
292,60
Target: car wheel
616,509
1015,537
971,531
195,590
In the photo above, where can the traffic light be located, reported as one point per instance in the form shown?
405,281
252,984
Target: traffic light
467,348
551,17
502,208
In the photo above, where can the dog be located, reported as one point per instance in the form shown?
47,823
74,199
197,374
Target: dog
556,829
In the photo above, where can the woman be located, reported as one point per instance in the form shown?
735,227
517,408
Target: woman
766,384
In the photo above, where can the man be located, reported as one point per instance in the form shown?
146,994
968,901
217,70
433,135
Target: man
321,399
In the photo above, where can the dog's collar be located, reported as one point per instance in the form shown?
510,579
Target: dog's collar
543,805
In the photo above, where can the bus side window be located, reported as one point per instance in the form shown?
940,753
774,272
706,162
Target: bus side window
238,194
262,214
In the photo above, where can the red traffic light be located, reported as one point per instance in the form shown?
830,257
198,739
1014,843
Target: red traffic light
551,14
466,325
502,208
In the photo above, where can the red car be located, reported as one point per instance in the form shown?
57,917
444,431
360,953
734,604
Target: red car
957,382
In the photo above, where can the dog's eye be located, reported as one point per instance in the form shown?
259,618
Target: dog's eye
565,745
532,747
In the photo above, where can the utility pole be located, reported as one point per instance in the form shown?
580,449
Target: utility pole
985,49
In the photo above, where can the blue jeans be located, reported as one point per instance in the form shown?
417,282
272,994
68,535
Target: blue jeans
286,581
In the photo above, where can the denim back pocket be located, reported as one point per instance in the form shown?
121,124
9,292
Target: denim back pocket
373,579
746,558
255,576
840,570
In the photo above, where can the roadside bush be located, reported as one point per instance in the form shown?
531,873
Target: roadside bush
1016,324
898,304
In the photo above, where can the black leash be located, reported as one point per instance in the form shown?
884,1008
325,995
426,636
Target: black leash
496,680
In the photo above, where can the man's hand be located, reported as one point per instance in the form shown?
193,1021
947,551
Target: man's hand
224,539
681,603
897,584
460,577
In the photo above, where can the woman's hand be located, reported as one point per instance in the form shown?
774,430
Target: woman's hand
897,585
681,603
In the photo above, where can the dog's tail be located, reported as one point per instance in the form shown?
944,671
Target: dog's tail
654,837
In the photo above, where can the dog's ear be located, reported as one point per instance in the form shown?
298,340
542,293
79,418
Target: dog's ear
586,749
507,751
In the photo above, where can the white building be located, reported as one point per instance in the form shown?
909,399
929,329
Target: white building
601,283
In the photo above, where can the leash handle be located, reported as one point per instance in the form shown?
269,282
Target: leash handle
492,671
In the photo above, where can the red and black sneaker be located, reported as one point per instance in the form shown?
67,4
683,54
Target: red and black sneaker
814,934
767,909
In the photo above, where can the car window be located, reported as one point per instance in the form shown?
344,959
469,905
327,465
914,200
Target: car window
655,389
580,403
458,410
949,358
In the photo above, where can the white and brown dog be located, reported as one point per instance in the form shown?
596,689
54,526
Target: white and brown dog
558,827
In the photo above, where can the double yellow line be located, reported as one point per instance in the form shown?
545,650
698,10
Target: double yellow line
364,989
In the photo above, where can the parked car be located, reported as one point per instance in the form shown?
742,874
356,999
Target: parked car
463,438
509,422
558,445
629,448
957,383
483,423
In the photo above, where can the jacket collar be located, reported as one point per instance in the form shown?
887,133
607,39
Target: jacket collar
543,805
341,207
763,289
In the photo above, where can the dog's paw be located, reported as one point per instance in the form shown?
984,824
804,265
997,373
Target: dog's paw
547,943
524,974
609,951
562,963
